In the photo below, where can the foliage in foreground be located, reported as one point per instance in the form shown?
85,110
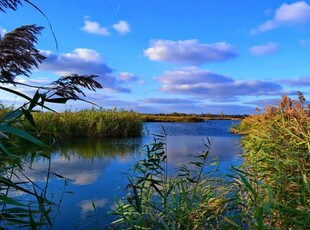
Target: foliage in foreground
277,154
18,56
269,191
188,201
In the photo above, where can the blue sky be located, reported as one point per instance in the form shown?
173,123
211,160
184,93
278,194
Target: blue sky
191,56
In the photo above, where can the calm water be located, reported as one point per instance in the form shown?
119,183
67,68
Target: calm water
95,168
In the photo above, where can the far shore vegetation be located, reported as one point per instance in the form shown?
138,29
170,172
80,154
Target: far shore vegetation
184,117
104,123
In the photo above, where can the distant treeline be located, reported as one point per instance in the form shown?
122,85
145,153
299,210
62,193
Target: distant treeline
183,117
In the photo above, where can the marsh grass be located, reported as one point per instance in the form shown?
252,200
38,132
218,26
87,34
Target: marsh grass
89,123
269,191
277,158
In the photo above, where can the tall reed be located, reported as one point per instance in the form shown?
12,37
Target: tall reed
89,123
277,156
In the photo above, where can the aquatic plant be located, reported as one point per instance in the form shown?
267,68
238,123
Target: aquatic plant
155,201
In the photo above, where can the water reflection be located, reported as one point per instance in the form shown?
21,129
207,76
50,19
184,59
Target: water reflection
93,170
181,150
95,167
87,148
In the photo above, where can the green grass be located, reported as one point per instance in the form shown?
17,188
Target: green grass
89,123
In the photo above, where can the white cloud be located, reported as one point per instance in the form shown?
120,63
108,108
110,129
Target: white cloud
122,27
84,62
80,61
215,87
127,77
94,28
88,205
266,49
2,32
188,51
296,13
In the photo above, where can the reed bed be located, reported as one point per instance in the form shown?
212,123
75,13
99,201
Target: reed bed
277,161
89,123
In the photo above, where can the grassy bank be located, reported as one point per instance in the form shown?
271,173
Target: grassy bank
270,190
106,123
89,123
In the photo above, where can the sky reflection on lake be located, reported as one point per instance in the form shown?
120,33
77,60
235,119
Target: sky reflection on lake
95,168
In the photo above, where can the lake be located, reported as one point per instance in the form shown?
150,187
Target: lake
95,168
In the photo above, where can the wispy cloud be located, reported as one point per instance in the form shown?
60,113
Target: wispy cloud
127,77
298,81
94,28
198,107
168,101
188,51
304,42
263,50
264,102
215,87
297,13
122,27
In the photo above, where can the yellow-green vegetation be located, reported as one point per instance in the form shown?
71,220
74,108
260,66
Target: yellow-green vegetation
277,156
89,123
269,191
